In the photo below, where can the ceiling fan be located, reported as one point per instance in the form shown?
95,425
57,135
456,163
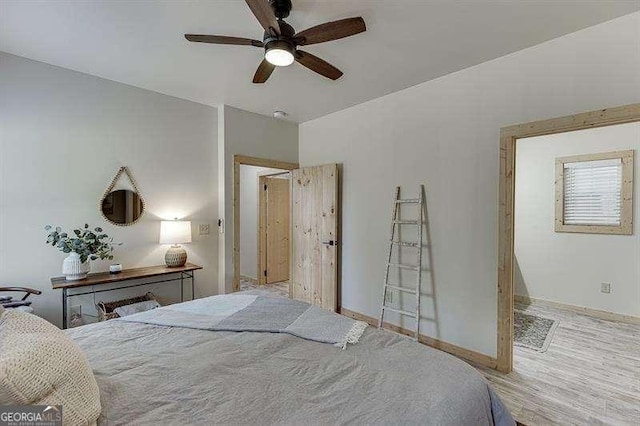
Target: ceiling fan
280,41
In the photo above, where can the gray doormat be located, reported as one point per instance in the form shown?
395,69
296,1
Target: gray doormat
533,331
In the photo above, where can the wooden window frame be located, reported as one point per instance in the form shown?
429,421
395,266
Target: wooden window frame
626,207
506,191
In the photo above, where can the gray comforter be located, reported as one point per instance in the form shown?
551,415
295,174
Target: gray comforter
152,374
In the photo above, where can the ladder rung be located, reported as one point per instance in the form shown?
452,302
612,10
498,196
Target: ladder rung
395,287
404,244
402,266
399,311
408,201
407,222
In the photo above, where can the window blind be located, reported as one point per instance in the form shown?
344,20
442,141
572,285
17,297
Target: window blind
593,192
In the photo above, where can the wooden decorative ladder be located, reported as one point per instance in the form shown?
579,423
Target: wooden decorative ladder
394,241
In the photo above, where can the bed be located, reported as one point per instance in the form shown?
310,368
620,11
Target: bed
158,374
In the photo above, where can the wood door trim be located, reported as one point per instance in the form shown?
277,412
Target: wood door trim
506,205
273,174
262,223
239,160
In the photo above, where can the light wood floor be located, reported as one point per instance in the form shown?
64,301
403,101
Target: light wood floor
277,289
590,375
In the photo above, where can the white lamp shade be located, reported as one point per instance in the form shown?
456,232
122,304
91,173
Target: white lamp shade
175,231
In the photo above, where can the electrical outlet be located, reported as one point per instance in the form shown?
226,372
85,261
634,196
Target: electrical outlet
75,310
203,229
605,287
389,297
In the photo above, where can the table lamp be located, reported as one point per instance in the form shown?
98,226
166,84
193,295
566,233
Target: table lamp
175,232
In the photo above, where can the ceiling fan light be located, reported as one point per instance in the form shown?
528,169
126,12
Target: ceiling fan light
279,57
279,52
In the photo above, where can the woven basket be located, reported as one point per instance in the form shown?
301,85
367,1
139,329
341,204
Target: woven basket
105,309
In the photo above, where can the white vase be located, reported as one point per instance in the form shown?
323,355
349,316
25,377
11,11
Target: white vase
73,269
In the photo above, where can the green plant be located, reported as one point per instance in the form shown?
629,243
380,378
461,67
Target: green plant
89,244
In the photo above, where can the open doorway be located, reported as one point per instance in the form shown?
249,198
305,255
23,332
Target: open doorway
250,189
576,283
568,276
265,208
314,230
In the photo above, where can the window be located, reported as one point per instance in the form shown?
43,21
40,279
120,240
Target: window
594,193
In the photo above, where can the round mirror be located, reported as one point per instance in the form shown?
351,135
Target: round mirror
122,207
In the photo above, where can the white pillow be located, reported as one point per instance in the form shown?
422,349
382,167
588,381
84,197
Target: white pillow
40,364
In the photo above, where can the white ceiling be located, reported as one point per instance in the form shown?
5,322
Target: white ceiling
407,42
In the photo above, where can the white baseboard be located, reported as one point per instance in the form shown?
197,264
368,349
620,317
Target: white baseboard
596,313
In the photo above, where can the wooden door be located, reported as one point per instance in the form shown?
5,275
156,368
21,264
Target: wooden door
278,210
314,240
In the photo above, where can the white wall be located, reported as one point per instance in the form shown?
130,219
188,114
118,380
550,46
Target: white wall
445,133
567,267
63,137
249,201
255,135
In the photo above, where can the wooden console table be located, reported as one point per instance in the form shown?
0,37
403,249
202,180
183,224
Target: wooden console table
102,278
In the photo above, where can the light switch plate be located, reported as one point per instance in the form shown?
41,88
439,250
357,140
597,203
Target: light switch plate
605,287
203,229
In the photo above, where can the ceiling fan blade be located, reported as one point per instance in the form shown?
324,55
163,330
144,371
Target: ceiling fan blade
318,65
262,10
263,72
215,39
330,31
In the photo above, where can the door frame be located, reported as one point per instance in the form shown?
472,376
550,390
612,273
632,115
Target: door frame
239,160
506,204
262,224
